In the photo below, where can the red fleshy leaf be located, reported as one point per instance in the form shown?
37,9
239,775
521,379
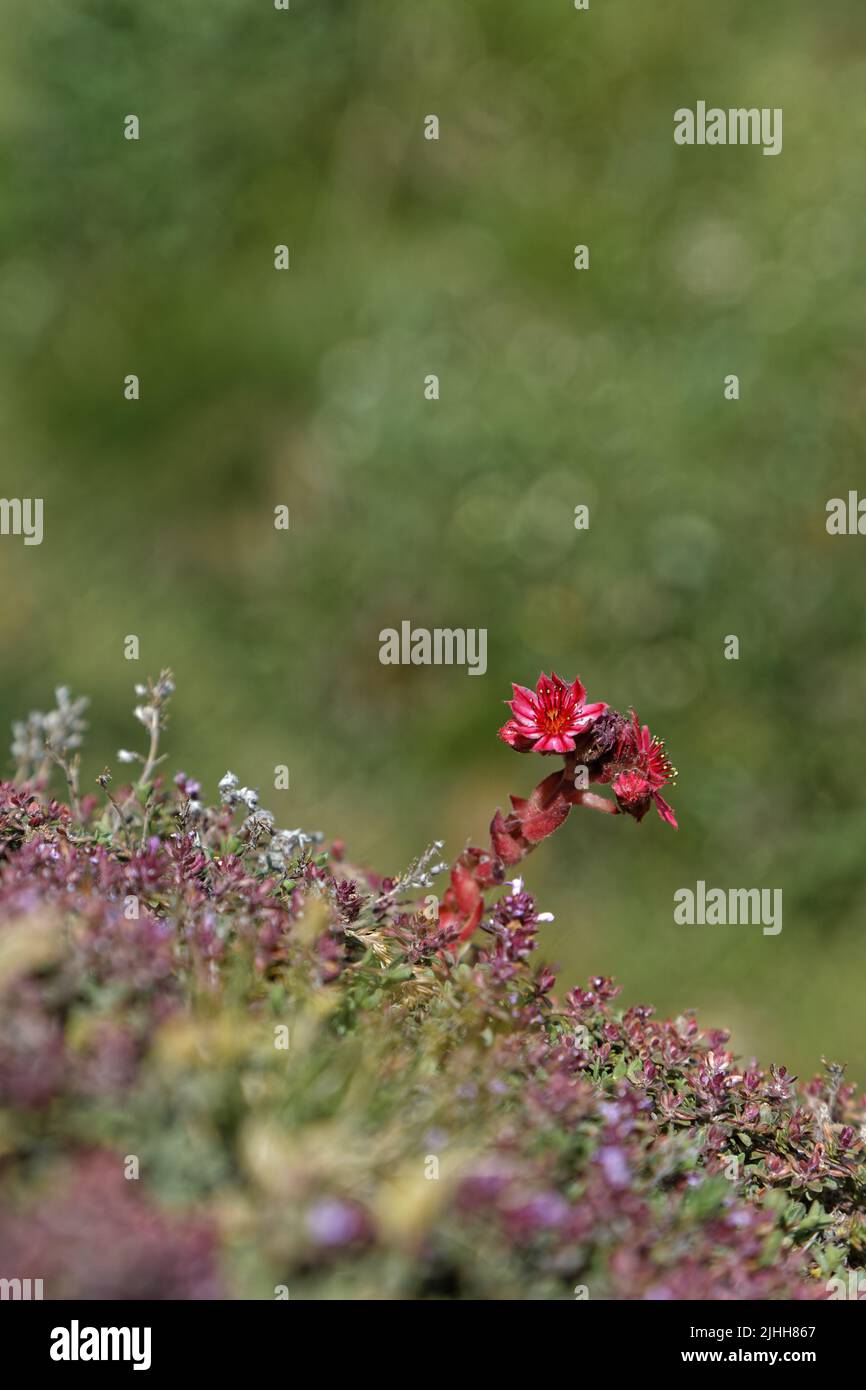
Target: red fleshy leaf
544,810
537,827
509,845
487,868
467,894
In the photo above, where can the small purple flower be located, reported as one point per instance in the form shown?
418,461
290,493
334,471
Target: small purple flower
187,786
333,1222
614,1165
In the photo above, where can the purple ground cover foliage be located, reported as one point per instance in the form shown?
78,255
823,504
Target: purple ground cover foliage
231,1062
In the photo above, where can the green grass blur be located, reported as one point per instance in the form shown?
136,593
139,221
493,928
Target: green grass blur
411,257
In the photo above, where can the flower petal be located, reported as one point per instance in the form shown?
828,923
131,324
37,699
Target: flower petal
665,811
554,743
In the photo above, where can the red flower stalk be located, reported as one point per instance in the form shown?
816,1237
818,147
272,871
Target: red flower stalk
595,741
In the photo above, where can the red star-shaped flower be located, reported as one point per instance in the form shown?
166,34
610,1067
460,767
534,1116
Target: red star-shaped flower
547,719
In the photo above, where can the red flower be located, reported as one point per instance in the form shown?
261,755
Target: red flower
547,719
643,768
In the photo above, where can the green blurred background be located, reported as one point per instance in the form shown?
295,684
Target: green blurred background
605,387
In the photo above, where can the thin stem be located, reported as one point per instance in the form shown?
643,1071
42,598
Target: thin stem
103,781
70,771
151,760
145,821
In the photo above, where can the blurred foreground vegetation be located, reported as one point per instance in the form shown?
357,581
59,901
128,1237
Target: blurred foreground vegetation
557,388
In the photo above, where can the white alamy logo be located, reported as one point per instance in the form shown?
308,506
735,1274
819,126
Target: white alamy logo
717,907
855,1289
443,646
22,516
76,1343
20,1289
736,126
846,519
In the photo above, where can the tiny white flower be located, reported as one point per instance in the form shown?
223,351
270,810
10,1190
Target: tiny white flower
228,785
146,715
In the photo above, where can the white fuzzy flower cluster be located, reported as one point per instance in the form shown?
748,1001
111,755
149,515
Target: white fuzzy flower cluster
148,715
293,842
282,846
423,870
160,691
231,792
285,846
150,712
61,727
